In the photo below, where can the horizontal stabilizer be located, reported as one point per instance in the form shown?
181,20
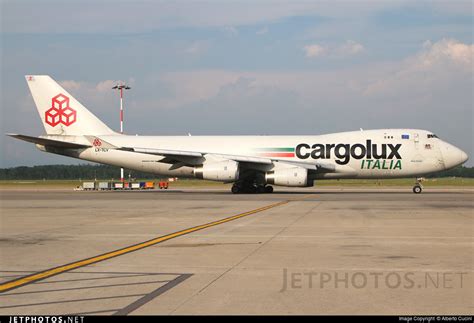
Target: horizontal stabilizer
48,142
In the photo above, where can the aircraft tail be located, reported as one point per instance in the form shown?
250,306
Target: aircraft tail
60,112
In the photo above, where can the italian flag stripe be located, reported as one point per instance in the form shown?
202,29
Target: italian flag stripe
279,149
277,154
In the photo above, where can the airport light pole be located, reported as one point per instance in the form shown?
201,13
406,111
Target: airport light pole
120,87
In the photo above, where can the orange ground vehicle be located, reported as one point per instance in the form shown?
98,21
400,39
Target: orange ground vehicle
163,185
149,185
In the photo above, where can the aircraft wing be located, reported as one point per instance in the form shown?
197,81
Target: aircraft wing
181,158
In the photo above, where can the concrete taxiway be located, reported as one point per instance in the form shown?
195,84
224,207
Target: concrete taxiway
303,251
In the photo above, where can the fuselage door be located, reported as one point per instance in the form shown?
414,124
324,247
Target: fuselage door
416,139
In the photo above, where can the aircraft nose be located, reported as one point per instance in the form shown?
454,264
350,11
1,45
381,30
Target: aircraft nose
453,156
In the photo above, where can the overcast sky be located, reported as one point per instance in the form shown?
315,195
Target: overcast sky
242,67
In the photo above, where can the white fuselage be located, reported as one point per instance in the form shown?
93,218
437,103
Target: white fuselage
386,153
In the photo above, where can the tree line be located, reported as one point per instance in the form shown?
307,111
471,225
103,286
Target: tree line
105,172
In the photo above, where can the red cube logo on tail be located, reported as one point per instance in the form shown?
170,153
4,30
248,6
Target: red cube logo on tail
53,117
60,112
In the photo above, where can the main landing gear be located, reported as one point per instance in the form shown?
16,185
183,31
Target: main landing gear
418,188
238,188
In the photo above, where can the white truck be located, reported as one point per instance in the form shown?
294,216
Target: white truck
88,186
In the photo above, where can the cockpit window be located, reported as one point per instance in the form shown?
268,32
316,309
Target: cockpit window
432,135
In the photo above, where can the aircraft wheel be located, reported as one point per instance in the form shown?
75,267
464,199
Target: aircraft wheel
268,189
235,189
261,189
251,189
417,189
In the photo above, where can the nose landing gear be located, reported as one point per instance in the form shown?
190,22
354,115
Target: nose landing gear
418,188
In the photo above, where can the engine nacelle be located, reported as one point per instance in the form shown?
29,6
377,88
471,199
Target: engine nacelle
225,171
295,177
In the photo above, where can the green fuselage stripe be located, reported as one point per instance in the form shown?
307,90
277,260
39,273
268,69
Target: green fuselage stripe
288,149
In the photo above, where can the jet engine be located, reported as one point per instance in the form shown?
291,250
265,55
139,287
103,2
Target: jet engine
295,177
226,171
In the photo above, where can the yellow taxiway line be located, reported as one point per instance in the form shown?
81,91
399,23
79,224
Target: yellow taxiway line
85,262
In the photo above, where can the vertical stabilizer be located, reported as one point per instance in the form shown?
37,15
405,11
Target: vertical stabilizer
60,112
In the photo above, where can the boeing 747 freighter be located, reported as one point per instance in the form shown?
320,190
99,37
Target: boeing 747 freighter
251,163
